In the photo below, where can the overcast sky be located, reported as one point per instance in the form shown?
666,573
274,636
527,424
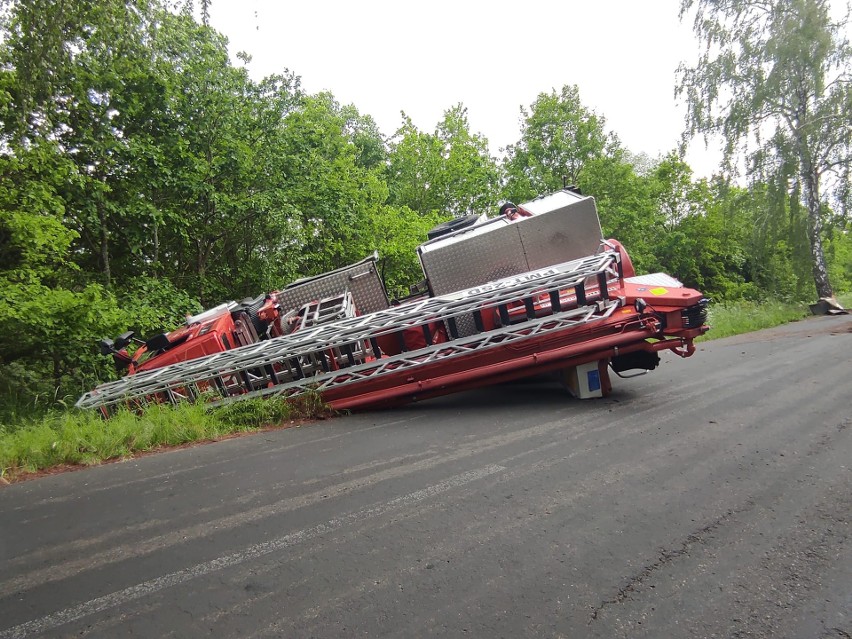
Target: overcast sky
388,56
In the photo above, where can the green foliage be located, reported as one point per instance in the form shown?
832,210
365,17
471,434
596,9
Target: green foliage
448,173
559,137
34,240
774,79
49,319
695,238
395,232
363,133
330,189
744,317
154,305
77,437
82,84
839,255
625,207
221,188
468,179
52,332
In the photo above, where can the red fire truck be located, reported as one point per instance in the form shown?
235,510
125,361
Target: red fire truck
535,290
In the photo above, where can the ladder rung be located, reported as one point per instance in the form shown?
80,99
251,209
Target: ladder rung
307,357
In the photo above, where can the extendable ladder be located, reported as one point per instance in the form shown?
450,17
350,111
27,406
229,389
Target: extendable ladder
346,352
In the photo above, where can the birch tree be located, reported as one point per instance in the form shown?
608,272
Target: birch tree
773,79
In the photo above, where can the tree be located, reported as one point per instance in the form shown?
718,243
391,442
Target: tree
625,206
774,79
131,154
414,161
77,76
696,239
559,137
468,178
48,324
363,132
330,182
676,195
448,172
395,232
221,222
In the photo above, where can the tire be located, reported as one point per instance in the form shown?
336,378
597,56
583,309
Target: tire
251,307
452,226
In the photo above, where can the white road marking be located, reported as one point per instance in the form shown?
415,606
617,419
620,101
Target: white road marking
99,604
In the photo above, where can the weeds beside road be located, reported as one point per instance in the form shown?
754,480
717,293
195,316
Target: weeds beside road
745,317
82,438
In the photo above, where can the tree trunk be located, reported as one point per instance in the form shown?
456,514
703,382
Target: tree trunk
818,266
57,374
156,256
201,269
104,244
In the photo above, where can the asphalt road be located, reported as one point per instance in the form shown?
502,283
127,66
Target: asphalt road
710,498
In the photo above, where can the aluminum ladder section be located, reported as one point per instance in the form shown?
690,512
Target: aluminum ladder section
324,311
346,351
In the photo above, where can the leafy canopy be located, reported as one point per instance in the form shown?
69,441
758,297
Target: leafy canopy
774,80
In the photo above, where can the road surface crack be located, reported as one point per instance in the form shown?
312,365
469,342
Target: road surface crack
665,557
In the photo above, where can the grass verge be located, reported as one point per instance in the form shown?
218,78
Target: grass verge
82,438
744,317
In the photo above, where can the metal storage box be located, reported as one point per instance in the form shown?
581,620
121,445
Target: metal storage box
562,227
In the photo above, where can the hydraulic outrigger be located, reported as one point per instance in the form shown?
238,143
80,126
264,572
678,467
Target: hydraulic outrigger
534,291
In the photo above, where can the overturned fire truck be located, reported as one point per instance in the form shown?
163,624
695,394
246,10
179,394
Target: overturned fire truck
535,290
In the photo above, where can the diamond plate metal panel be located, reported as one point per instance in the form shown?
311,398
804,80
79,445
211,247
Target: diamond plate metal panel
566,233
563,226
470,262
361,279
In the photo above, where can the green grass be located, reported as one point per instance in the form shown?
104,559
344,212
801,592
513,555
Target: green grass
734,318
82,438
744,317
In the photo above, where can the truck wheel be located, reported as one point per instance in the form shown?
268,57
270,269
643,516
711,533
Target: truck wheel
452,226
250,307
